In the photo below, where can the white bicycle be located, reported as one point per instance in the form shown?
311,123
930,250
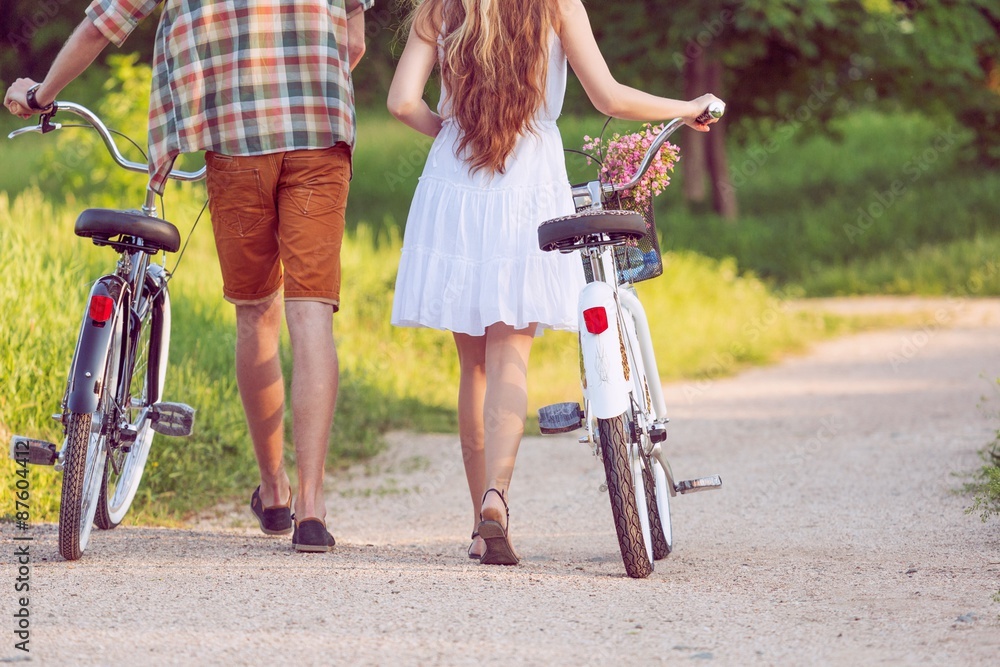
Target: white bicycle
624,411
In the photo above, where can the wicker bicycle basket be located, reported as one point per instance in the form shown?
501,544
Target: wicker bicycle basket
640,259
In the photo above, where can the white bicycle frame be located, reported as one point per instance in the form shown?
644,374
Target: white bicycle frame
619,360
623,398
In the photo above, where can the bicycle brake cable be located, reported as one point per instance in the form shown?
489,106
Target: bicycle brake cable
88,126
180,256
584,154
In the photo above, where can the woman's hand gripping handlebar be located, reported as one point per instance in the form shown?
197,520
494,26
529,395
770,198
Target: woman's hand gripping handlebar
596,191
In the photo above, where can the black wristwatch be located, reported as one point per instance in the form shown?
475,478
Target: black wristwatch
30,97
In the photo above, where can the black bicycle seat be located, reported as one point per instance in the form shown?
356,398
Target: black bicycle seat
112,227
590,228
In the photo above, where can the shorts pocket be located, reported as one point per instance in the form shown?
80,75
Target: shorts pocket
235,196
318,181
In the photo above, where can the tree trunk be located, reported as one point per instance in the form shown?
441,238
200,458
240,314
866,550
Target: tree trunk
693,164
723,193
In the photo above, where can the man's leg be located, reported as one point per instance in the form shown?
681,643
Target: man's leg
312,202
262,390
314,399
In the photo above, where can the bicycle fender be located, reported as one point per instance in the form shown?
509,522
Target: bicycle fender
606,387
90,360
156,277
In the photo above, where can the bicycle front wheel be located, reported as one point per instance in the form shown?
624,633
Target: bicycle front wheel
658,506
626,489
136,395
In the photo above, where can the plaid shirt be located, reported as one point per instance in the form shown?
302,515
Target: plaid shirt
241,77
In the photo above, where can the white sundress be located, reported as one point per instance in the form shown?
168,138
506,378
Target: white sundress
470,254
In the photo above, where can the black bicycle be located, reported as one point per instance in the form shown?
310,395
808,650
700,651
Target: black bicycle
112,407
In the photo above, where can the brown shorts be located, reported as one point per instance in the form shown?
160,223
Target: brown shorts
279,221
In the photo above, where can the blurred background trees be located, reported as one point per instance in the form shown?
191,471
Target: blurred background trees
776,62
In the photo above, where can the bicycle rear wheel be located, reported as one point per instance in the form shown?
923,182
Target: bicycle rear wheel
84,456
137,392
623,469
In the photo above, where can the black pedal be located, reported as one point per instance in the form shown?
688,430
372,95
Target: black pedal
175,419
560,418
36,452
700,484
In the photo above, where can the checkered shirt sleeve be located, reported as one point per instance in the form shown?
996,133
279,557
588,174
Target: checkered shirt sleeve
355,6
116,19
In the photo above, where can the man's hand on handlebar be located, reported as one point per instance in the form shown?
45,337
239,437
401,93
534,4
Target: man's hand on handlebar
16,99
699,107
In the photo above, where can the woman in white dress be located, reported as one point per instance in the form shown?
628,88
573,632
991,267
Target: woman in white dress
470,262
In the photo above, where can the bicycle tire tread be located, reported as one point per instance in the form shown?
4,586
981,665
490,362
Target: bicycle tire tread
74,474
660,547
614,451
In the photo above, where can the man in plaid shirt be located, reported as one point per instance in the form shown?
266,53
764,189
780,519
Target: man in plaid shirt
264,87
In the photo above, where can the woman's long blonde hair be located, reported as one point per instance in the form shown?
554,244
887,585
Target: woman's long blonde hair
494,68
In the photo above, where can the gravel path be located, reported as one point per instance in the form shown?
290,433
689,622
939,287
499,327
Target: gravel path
837,538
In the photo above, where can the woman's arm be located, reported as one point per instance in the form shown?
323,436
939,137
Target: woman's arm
406,92
355,38
606,94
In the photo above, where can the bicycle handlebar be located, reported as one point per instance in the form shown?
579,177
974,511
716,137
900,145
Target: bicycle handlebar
714,111
45,126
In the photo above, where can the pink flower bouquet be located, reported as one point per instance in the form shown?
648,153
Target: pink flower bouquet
623,154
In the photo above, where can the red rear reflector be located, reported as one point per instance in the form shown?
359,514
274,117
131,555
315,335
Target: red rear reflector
101,308
596,320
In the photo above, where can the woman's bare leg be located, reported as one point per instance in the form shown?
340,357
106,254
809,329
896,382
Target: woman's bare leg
471,392
505,408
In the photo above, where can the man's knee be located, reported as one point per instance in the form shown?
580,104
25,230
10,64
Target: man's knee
310,322
254,318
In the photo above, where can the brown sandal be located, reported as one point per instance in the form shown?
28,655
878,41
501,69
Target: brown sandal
498,548
475,534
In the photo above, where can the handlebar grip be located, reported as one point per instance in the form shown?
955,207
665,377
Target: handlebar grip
714,110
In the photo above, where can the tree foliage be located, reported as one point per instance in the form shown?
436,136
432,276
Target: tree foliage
34,30
812,60
781,59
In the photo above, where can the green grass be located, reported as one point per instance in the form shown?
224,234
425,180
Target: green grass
984,483
828,215
819,212
985,487
965,267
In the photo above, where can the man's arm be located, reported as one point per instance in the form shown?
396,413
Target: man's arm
79,51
